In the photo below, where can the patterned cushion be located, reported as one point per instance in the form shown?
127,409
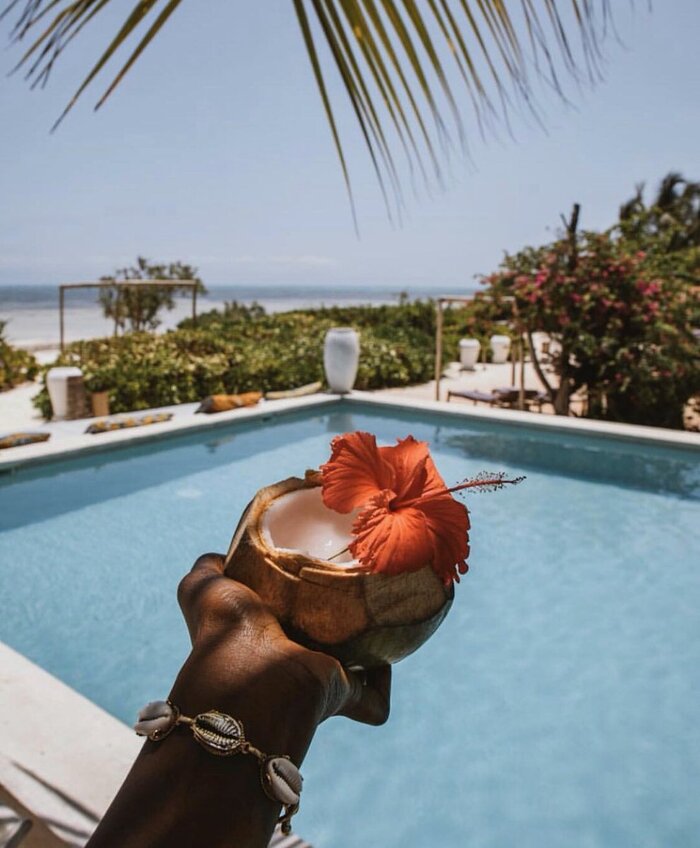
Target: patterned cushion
106,425
14,440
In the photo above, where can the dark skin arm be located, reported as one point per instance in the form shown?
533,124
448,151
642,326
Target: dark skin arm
179,796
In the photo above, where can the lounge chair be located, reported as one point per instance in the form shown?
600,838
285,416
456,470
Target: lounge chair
477,397
13,826
507,396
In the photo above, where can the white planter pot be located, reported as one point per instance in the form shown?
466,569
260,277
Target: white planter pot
57,386
500,347
469,353
341,356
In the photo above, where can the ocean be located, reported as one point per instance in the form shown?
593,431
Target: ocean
31,311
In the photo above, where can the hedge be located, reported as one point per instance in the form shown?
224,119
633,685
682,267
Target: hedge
16,365
243,349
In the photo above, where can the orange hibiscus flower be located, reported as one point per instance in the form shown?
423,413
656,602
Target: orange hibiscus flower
409,518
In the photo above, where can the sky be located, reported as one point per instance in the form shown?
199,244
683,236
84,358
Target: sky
215,151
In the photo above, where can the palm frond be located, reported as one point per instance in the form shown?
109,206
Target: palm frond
403,64
419,56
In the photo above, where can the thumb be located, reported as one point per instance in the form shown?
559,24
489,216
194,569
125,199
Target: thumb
369,695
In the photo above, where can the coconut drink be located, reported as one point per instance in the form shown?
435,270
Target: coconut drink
359,558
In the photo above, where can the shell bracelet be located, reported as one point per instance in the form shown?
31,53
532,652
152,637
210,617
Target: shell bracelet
224,736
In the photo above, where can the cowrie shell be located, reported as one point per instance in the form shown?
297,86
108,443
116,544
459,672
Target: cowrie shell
218,733
156,720
282,780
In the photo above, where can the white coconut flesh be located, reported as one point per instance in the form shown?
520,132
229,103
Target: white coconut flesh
300,522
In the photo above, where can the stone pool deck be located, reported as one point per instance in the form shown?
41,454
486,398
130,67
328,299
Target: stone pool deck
62,758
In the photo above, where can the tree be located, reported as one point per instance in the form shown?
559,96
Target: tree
620,331
138,307
395,59
668,229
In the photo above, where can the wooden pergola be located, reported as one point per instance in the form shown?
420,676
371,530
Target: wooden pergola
121,284
447,299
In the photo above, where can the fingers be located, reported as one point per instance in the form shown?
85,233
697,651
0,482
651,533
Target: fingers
369,695
209,599
207,568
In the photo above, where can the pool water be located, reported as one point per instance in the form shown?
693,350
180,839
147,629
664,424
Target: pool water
557,705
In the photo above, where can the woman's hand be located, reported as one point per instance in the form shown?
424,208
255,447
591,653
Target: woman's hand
239,646
177,795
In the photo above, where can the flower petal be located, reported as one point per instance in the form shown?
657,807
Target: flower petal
448,523
355,473
391,541
414,468
408,459
433,480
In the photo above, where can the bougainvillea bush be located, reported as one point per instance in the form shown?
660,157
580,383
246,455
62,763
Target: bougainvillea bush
621,331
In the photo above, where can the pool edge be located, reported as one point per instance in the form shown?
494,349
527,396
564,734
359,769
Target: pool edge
85,444
550,423
81,445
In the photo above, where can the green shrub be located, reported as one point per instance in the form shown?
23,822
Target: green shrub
242,349
16,366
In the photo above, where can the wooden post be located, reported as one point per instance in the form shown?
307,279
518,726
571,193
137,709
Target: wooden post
194,304
60,310
521,394
117,304
438,348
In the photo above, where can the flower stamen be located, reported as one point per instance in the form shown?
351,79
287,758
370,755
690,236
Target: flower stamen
487,483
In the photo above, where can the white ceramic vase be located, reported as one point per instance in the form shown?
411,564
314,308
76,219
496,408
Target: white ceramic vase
500,348
341,356
469,353
57,386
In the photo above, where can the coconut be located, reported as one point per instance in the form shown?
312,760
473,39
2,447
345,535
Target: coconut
292,550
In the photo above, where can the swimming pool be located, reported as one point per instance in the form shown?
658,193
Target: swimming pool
557,705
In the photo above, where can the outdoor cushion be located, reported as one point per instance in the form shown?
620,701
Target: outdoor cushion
223,403
300,391
26,437
106,425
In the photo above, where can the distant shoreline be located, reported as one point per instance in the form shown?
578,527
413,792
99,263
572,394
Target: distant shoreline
33,321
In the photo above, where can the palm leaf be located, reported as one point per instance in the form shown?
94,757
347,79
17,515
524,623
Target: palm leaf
402,63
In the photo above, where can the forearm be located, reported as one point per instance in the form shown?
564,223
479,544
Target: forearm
179,795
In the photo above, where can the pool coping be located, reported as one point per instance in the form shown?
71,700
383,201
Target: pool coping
63,757
536,420
185,422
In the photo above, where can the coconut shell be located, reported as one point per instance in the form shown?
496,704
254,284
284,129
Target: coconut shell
362,619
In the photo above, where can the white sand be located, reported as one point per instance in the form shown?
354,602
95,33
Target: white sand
16,410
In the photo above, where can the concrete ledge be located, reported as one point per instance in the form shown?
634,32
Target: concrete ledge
61,756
